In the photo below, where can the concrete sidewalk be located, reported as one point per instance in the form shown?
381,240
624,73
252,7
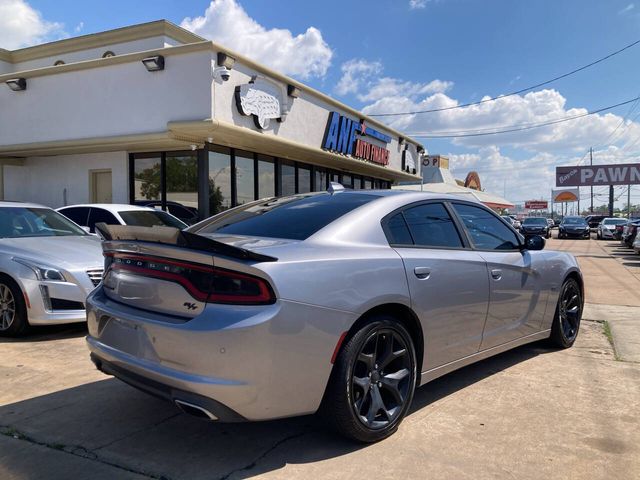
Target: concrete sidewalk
624,323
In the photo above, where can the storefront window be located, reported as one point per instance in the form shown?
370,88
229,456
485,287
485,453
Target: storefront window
181,172
347,181
146,184
357,183
320,181
304,179
244,177
266,177
287,178
367,183
219,179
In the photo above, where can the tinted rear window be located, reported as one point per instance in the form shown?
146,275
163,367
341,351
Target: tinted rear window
295,217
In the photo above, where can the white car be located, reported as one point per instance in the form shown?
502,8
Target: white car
636,244
607,227
119,214
48,266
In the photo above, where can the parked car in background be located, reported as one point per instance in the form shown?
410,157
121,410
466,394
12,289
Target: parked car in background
340,302
629,233
119,214
188,215
48,266
636,244
576,227
509,220
607,227
594,220
535,226
617,232
550,223
516,223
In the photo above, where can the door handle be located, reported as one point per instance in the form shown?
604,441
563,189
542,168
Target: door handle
496,274
422,272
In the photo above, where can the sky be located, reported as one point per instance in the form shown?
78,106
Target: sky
395,56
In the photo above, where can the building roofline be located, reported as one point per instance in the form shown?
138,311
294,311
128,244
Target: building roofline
92,40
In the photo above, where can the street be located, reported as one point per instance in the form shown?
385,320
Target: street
534,412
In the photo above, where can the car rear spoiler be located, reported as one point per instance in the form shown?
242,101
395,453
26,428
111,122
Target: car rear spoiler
178,238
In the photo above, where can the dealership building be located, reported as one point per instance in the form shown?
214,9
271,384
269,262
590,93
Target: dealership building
155,112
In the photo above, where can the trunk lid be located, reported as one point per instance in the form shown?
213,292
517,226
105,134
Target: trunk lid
177,273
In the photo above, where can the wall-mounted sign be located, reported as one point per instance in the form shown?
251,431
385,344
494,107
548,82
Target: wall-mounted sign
536,204
619,174
264,99
347,136
436,161
565,195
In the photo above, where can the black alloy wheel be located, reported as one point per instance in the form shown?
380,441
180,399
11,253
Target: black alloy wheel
566,323
373,381
380,379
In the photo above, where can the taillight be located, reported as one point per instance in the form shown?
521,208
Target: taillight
204,283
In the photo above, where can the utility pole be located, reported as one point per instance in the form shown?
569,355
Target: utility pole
611,200
591,164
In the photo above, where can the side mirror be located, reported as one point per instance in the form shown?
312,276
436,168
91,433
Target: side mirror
536,242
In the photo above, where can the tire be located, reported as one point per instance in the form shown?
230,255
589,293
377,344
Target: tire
566,322
352,386
13,312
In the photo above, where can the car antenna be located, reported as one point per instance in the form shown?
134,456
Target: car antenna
335,187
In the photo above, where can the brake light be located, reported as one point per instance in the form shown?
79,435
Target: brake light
204,283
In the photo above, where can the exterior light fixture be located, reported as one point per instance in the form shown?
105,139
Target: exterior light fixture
400,140
225,60
154,64
17,84
293,91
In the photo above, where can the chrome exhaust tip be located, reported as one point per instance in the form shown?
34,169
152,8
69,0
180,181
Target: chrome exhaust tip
194,410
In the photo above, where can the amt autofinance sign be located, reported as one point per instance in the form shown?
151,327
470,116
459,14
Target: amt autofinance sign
346,136
620,174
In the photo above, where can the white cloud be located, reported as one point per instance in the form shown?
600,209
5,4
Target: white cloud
363,78
534,107
415,4
627,9
79,27
354,73
304,55
21,25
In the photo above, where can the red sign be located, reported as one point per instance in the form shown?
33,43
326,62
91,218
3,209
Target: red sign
536,205
370,152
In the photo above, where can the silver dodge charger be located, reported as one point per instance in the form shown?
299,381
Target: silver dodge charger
339,302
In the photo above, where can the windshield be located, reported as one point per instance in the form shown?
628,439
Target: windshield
296,217
535,221
150,218
614,221
18,222
574,221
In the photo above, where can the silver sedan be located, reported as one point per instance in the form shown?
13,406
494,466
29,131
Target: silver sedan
48,266
338,302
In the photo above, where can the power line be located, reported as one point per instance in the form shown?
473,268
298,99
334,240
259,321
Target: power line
517,92
517,128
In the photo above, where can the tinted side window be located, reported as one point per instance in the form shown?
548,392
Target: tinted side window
98,215
486,230
431,226
76,214
398,231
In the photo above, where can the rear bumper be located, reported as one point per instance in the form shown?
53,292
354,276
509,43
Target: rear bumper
253,362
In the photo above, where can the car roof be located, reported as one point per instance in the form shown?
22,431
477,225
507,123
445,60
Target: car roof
112,207
10,204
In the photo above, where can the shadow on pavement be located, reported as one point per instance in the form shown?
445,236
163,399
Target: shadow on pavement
111,422
49,332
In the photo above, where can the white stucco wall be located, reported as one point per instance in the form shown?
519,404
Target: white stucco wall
44,179
144,44
120,99
305,123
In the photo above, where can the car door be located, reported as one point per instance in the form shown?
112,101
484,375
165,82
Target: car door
447,281
98,215
516,301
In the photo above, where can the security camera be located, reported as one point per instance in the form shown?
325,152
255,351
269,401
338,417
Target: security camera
223,73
